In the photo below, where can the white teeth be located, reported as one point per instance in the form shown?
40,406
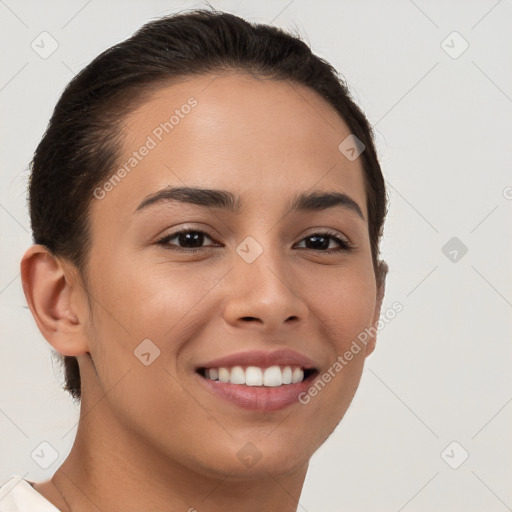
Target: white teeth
237,375
253,376
223,374
273,376
298,375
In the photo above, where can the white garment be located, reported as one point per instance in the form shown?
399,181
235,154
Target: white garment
17,495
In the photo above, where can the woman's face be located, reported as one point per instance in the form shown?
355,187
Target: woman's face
265,285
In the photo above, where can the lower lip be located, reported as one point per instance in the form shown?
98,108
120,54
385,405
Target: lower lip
258,398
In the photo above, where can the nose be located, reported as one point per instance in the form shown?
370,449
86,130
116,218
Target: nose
263,295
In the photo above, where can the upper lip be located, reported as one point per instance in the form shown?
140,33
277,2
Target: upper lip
261,358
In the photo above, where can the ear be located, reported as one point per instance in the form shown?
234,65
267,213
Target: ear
57,300
380,278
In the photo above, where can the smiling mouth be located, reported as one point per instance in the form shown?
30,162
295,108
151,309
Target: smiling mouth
256,376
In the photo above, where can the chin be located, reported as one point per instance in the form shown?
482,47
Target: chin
277,454
255,457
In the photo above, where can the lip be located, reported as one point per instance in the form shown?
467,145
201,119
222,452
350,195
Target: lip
261,358
259,398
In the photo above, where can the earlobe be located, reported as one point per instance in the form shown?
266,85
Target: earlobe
52,296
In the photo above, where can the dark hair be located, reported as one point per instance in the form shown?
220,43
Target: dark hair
80,147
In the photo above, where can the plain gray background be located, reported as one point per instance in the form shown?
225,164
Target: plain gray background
443,116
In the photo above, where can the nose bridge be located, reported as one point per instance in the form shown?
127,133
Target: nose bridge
263,288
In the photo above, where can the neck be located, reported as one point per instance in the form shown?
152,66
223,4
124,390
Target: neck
110,468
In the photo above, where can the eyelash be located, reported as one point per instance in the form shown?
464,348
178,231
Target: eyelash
344,244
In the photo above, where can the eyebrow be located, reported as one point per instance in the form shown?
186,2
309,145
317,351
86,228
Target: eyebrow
212,198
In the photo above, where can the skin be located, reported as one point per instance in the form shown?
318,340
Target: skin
152,437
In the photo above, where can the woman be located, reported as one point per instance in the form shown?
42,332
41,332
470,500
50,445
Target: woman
207,207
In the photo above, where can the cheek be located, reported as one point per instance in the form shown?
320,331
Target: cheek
166,304
344,302
148,298
343,308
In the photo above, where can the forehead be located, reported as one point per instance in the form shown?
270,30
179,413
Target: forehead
258,138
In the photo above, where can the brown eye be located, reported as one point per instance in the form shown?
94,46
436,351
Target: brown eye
186,240
326,242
